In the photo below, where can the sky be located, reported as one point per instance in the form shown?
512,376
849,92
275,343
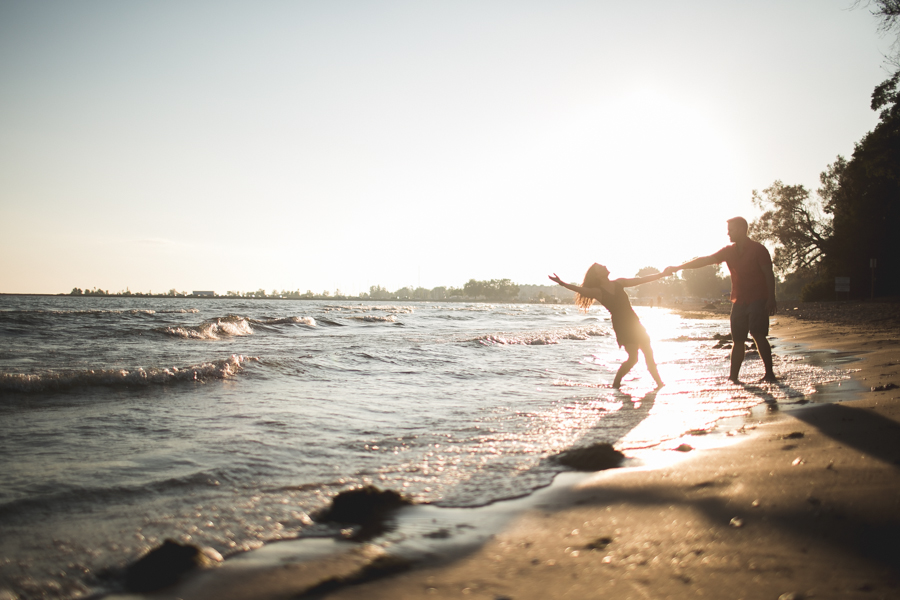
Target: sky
336,145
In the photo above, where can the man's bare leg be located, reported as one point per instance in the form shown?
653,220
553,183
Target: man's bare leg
737,359
765,353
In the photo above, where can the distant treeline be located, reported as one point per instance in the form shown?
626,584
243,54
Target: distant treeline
706,283
494,290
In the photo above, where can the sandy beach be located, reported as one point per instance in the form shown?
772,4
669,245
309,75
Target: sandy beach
783,504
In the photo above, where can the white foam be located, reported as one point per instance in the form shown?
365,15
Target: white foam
374,318
540,338
212,330
308,321
138,377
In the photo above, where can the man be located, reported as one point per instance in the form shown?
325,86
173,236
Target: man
752,293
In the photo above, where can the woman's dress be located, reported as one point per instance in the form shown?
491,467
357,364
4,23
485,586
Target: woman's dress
625,321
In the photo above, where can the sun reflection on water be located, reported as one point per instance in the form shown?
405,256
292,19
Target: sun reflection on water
694,365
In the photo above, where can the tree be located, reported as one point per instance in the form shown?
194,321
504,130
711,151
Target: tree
495,290
798,226
504,289
706,282
864,198
651,289
889,13
473,289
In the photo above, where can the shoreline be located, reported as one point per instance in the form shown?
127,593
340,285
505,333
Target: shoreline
814,513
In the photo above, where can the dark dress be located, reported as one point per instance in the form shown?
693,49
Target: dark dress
625,322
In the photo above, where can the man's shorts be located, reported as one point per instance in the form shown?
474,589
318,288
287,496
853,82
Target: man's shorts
752,318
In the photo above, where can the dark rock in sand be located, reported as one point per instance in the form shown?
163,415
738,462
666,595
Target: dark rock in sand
591,458
599,544
162,566
440,534
381,567
366,506
885,387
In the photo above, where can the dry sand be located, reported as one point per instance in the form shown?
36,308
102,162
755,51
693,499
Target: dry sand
800,504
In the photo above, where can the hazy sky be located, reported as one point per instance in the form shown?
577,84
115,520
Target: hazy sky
342,144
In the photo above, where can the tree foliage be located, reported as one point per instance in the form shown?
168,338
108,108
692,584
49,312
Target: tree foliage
706,282
888,12
798,226
496,290
854,217
666,287
866,201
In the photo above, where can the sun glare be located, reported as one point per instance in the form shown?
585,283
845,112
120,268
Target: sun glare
663,175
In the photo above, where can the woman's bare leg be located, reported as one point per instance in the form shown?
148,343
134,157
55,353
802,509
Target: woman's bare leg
651,364
632,350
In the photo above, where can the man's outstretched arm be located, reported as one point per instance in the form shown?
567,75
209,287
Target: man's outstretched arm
633,281
703,261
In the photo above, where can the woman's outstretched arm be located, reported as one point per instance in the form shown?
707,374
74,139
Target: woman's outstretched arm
640,280
589,292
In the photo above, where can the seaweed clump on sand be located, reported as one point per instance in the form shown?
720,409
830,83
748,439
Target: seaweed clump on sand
595,457
163,566
367,508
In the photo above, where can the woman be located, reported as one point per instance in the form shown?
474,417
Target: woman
629,331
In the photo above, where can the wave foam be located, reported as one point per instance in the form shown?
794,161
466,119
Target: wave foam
139,377
540,338
99,311
211,330
374,318
308,321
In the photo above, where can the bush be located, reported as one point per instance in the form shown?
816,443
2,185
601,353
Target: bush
817,291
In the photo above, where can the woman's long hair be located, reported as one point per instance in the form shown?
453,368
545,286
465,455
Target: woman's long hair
591,280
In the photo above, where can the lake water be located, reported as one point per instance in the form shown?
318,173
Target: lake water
228,423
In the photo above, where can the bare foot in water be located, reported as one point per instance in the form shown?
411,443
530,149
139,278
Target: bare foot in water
769,378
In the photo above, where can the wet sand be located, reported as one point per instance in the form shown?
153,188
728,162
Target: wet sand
796,504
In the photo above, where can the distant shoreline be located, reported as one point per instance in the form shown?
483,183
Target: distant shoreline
318,299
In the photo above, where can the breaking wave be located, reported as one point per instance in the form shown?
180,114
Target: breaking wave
373,318
123,378
308,321
540,338
98,311
230,326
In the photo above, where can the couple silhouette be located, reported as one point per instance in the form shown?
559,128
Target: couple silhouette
752,302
